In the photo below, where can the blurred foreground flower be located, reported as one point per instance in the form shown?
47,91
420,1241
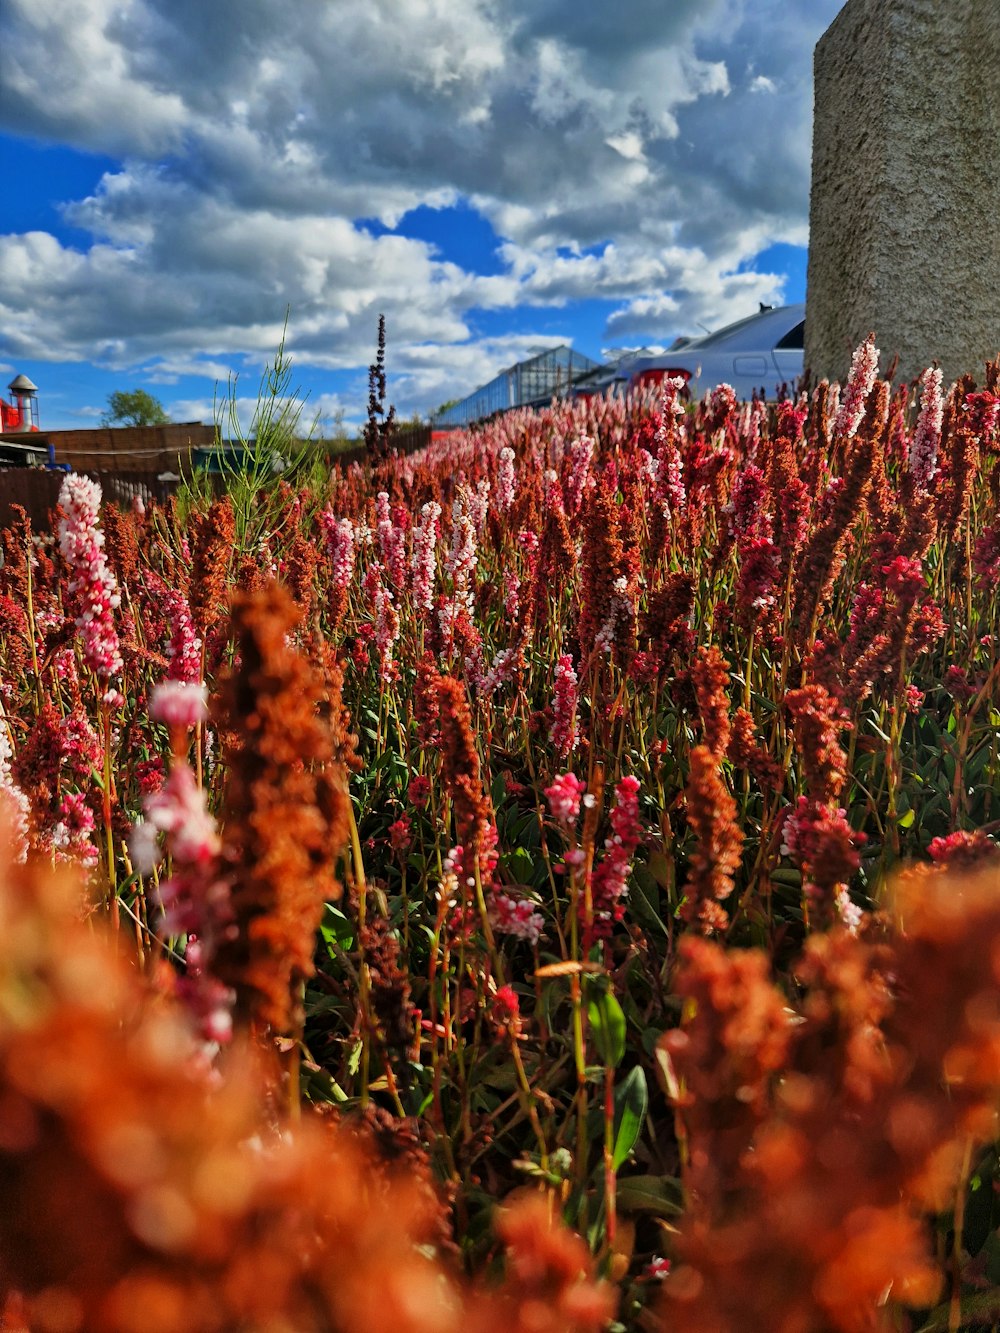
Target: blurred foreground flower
819,1138
139,1196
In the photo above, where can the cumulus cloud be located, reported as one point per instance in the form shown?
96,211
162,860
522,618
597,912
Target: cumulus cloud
628,157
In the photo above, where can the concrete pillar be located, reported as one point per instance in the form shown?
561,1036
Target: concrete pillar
904,215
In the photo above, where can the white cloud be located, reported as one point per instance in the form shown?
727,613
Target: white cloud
68,76
634,160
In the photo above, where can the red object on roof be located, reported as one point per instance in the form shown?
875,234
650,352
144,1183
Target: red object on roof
21,414
11,417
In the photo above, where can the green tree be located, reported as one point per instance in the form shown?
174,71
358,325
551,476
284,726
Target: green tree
134,407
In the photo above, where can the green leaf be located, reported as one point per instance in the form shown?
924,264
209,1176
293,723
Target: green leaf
787,877
660,1196
323,1086
644,900
354,1058
659,869
520,864
337,929
631,1101
607,1022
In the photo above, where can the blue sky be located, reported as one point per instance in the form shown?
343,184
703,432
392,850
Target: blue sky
494,177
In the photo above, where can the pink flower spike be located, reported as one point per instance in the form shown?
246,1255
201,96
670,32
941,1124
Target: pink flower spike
517,917
179,810
564,797
506,1005
926,440
860,382
179,703
564,703
505,479
91,590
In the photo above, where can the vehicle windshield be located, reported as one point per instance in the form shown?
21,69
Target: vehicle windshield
761,319
721,335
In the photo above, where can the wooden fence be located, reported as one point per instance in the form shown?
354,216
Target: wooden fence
130,450
36,490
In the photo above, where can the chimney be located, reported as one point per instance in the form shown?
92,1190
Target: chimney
21,414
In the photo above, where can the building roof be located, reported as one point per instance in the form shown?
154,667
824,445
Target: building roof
531,383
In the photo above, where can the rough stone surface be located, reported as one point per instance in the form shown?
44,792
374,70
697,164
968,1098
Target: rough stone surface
905,204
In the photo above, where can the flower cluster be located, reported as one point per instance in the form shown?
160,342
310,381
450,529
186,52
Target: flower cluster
285,818
91,589
807,1189
505,479
610,879
564,795
179,703
518,917
185,646
711,815
927,436
860,381
423,558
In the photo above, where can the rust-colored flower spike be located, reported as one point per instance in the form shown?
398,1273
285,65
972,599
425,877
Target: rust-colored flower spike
793,1224
285,812
389,982
300,571
817,720
961,463
665,624
711,814
873,428
819,422
121,543
460,769
15,543
556,562
332,708
426,708
823,557
736,1041
211,538
789,500
916,523
15,642
746,752
601,563
814,1212
710,676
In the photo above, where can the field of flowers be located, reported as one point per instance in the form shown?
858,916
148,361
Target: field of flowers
547,882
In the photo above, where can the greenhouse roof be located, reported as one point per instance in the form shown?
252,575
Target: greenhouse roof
530,383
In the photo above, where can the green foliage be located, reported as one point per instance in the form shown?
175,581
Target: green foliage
134,407
254,462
